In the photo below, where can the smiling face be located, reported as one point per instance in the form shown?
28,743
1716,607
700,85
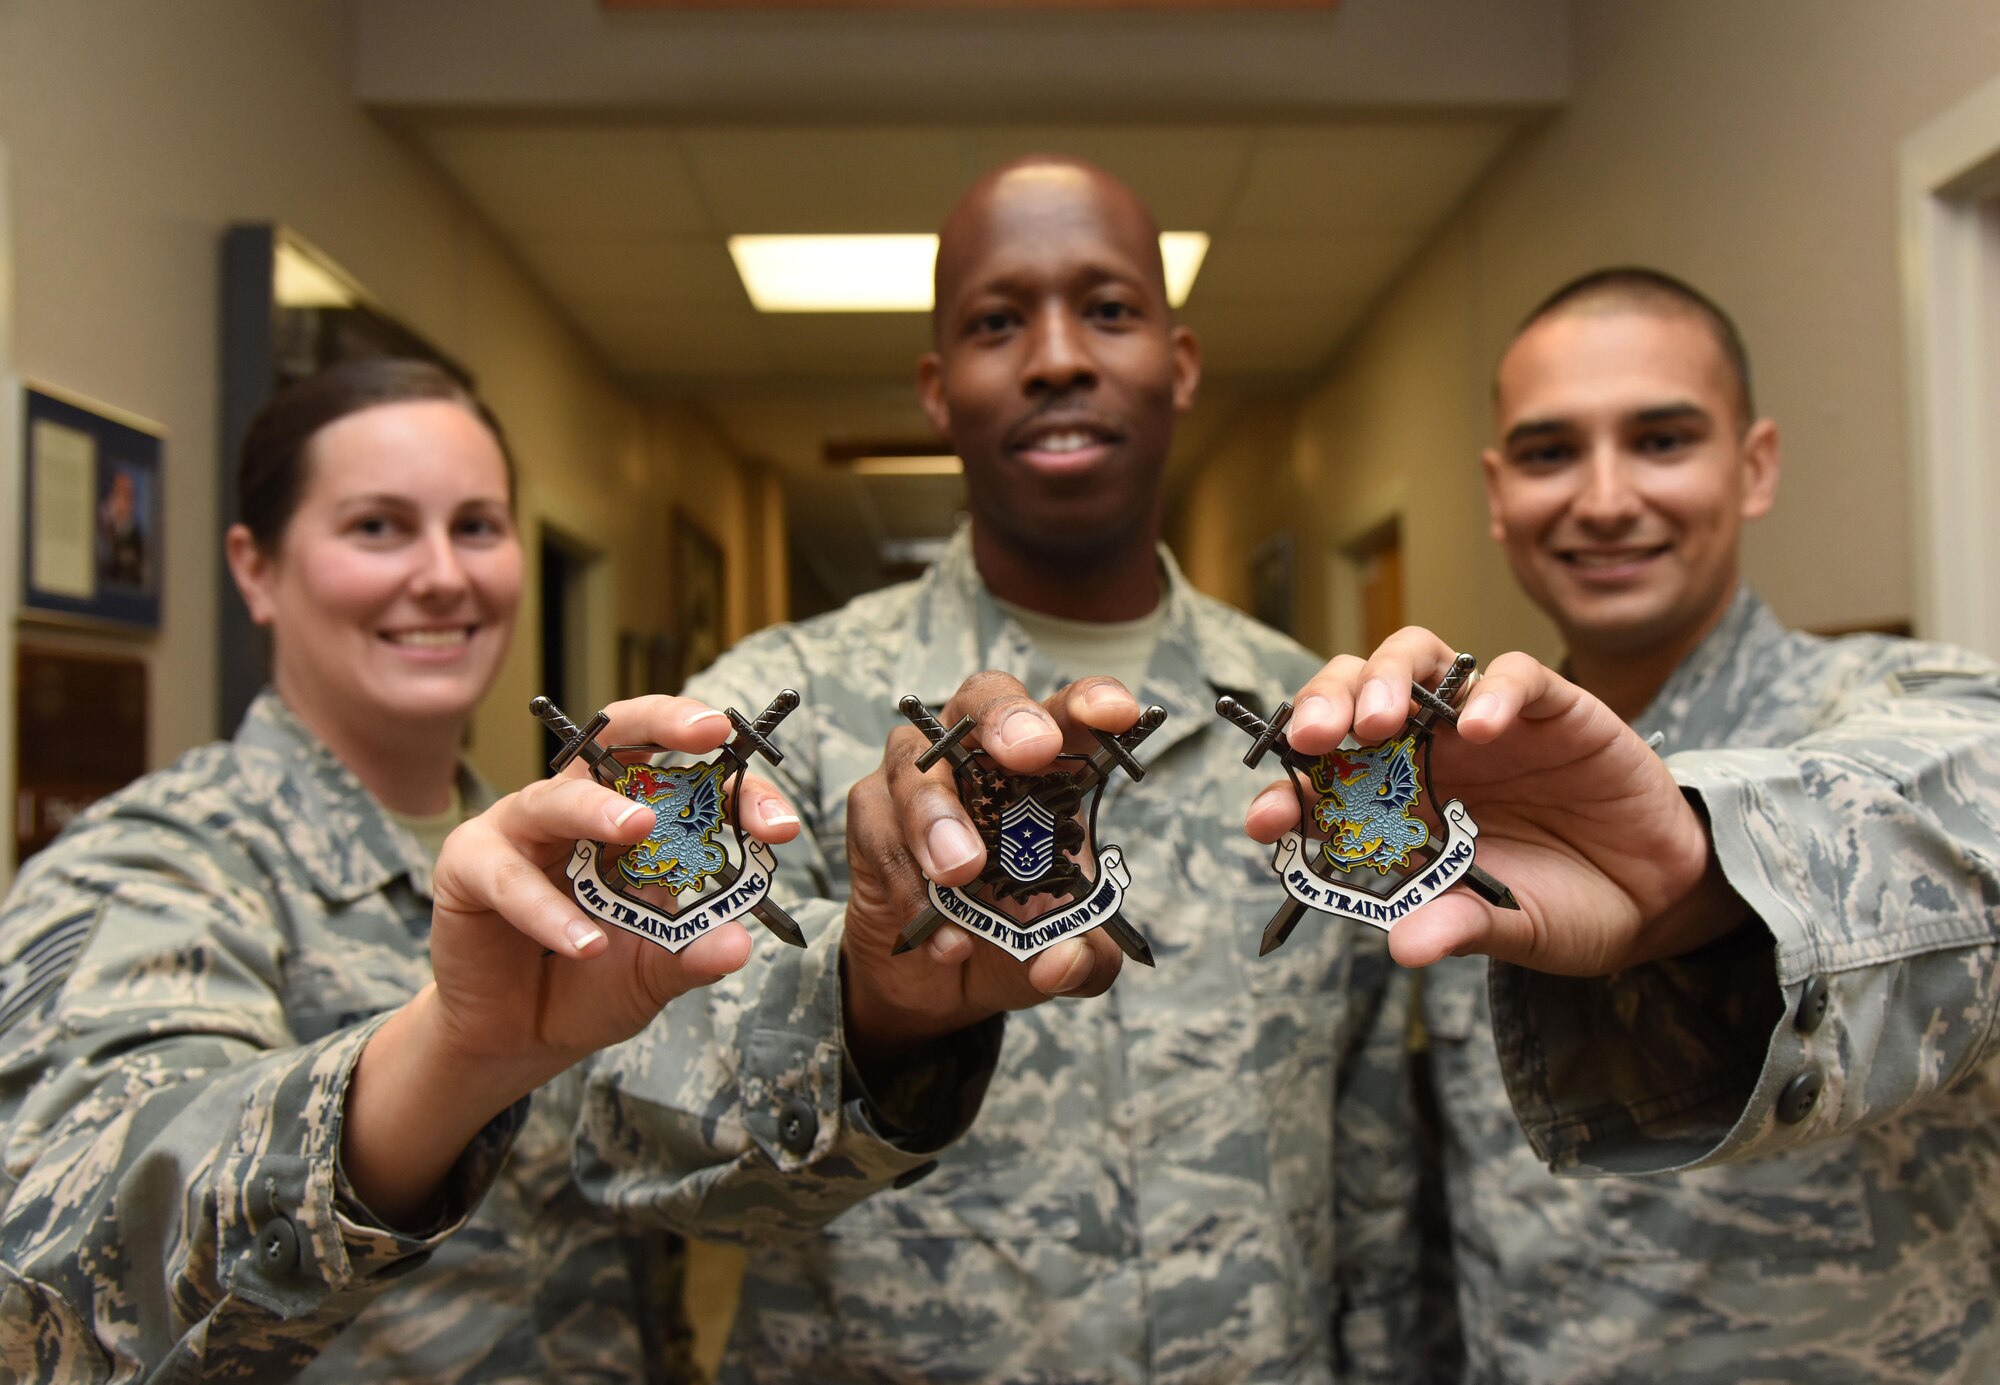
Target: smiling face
1623,475
391,593
1058,369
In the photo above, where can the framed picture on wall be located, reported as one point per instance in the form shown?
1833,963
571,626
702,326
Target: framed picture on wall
91,512
698,592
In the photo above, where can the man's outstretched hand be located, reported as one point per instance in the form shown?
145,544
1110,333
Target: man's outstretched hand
1610,863
904,825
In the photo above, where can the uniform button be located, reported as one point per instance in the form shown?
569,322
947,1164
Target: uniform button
1795,1103
1813,1003
915,1175
797,1126
278,1245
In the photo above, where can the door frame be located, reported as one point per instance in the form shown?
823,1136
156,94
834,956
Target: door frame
1949,204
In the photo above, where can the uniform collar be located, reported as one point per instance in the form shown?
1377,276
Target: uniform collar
957,628
341,838
1710,669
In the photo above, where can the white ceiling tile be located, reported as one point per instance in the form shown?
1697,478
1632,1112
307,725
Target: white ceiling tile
1374,175
848,344
1185,173
570,178
780,180
695,342
636,269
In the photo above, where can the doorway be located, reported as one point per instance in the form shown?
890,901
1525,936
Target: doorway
1950,201
564,565
1366,588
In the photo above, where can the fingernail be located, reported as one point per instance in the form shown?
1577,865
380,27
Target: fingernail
1313,714
778,817
1020,728
582,935
1270,798
951,844
1079,969
1104,695
706,714
626,816
1376,697
1480,708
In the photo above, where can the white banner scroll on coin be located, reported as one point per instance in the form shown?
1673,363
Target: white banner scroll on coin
1024,940
671,929
693,804
1447,868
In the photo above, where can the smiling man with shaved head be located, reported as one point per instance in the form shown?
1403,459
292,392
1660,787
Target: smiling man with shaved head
1074,1169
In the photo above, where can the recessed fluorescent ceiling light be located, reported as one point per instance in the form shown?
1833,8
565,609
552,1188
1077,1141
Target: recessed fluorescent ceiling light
886,274
1182,253
836,274
941,465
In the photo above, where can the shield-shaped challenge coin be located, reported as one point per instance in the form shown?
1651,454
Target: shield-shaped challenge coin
1362,850
1048,876
697,868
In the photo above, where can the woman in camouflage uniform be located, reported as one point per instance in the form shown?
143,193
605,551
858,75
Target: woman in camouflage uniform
238,1114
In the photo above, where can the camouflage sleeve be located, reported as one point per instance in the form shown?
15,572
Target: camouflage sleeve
1376,1180
1867,981
737,1115
734,1118
173,1197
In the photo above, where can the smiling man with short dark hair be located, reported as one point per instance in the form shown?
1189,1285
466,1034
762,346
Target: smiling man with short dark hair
1629,459
1850,788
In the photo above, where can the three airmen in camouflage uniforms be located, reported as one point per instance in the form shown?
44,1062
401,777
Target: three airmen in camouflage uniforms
958,1166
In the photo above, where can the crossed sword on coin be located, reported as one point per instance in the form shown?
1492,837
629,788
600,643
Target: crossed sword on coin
1433,705
1114,752
751,739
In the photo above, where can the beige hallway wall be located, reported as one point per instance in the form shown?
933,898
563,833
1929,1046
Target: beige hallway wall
137,132
1748,147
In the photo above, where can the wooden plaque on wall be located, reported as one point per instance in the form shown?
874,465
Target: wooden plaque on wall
79,734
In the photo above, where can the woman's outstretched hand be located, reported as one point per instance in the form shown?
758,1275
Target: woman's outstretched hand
526,983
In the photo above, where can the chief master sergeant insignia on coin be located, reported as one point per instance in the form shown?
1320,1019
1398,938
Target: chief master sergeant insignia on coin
1038,834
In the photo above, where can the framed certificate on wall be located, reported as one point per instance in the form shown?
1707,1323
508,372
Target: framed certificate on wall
92,536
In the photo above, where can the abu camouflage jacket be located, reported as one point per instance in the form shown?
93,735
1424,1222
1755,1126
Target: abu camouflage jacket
1183,1180
1819,1120
187,977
